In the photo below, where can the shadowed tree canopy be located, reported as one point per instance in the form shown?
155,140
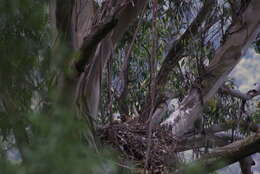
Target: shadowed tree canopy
147,80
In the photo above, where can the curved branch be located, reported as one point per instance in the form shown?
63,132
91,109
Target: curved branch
224,156
244,96
92,40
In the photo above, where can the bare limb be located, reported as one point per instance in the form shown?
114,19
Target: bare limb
224,156
244,96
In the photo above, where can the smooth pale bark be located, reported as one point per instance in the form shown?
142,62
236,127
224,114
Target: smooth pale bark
67,16
91,89
223,156
83,16
91,42
242,34
75,19
90,85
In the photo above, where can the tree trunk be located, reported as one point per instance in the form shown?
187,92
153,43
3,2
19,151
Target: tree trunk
89,87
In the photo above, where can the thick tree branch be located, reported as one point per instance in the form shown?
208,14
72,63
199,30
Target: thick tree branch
224,156
244,96
92,40
210,140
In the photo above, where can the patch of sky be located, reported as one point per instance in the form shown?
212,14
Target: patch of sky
247,73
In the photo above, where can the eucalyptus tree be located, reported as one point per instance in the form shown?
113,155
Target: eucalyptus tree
139,55
162,66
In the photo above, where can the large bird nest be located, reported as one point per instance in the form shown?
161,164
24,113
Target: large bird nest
132,140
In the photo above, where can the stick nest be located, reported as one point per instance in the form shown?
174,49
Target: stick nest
132,140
